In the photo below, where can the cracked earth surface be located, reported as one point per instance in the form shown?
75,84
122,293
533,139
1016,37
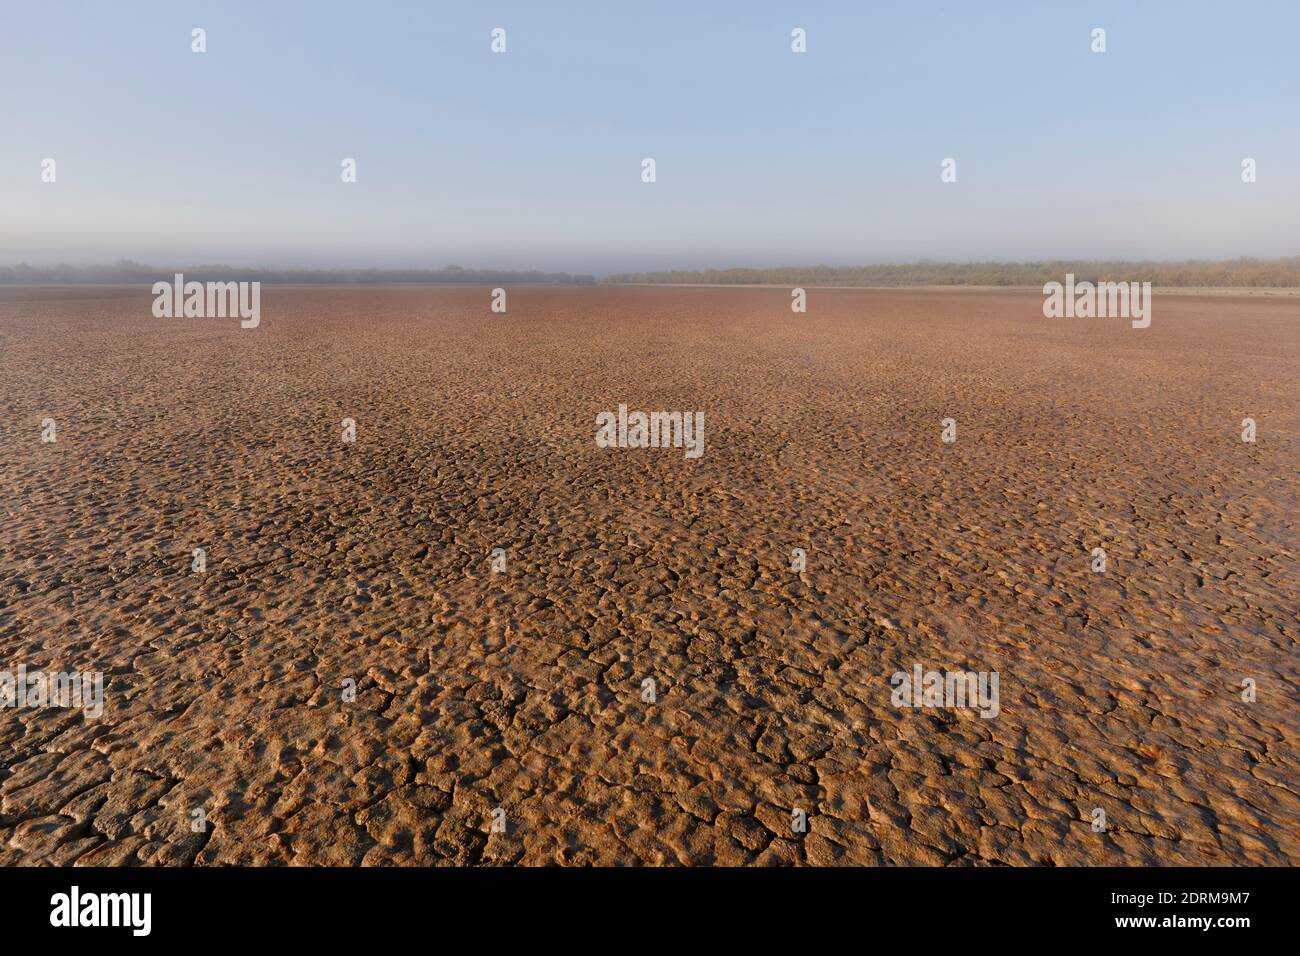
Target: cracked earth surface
369,562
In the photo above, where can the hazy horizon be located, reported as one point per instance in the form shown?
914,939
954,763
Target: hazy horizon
531,159
1240,272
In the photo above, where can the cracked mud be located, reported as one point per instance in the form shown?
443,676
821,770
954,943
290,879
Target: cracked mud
329,563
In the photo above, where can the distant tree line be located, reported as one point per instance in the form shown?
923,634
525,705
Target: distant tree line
1256,273
1192,272
135,272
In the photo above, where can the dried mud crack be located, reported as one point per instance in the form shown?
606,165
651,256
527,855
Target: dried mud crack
332,566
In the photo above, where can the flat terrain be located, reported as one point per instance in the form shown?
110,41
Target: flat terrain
327,563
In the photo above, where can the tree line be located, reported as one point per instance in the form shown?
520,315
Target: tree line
126,271
1255,273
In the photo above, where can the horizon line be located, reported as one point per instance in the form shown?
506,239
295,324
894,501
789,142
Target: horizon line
1243,271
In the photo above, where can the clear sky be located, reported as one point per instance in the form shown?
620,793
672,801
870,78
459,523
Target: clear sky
532,158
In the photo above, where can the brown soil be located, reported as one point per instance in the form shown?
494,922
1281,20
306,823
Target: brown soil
329,562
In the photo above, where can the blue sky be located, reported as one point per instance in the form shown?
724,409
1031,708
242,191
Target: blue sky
532,158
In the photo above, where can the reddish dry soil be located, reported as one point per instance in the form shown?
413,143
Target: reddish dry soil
330,563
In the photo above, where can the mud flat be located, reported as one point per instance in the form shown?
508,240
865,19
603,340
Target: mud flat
229,733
